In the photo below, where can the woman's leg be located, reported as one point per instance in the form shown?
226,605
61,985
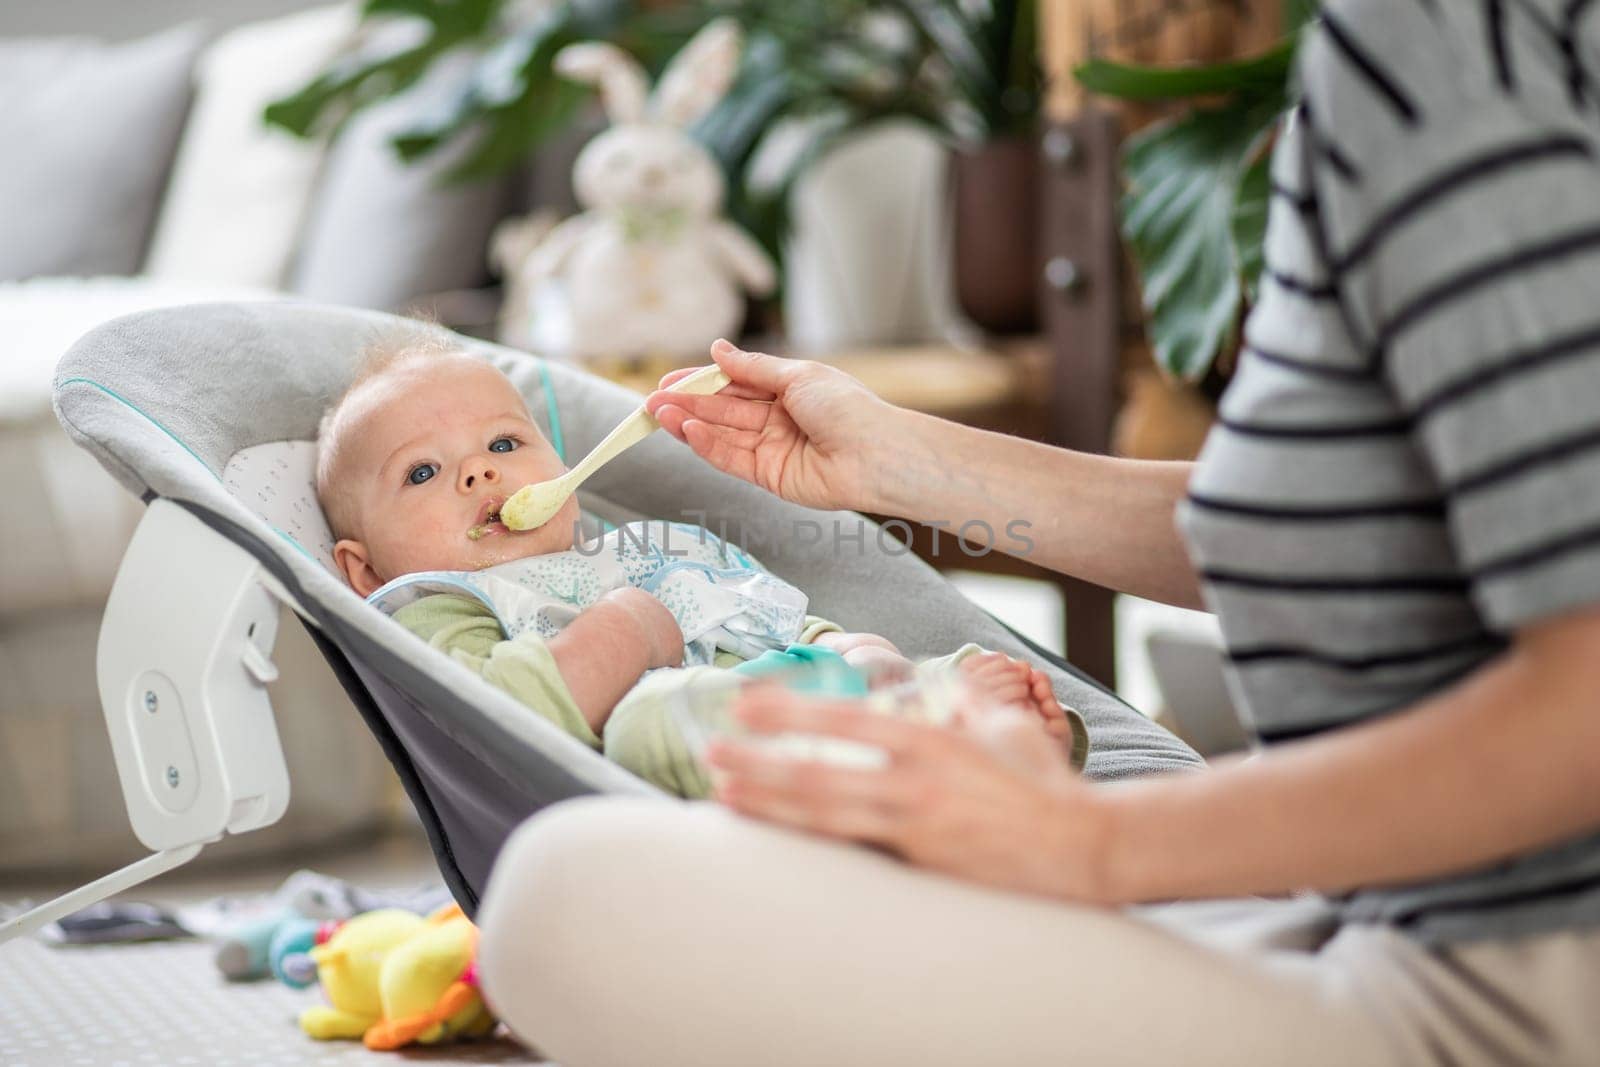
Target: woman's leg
629,932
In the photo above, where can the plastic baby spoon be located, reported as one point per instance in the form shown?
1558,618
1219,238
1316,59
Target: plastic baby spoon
536,504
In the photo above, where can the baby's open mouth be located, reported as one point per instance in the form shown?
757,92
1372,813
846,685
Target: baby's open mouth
488,519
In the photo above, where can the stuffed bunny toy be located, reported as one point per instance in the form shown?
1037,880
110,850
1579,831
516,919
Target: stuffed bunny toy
650,267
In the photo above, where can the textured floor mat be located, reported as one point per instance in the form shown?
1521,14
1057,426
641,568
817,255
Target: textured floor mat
164,1004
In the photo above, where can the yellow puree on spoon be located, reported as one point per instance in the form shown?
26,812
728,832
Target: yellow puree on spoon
534,505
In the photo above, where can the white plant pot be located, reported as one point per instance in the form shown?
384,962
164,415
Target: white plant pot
869,259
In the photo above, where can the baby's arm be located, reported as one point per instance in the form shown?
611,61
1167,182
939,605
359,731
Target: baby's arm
604,651
529,668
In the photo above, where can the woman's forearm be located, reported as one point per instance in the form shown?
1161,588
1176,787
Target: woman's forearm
1500,764
1105,520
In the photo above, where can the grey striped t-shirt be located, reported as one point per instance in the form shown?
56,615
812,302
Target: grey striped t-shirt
1406,467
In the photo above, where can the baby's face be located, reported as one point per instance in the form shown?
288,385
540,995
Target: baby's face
435,447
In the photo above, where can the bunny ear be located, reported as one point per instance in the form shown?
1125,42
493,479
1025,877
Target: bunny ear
699,74
621,82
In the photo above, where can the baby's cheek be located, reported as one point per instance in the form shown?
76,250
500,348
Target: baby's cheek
412,546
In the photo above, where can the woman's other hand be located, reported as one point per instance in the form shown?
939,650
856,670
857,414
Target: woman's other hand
991,799
803,431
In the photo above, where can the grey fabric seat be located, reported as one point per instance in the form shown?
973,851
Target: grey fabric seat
165,399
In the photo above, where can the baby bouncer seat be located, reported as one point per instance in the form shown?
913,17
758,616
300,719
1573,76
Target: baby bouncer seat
209,414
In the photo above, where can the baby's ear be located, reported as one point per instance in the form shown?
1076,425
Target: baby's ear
351,559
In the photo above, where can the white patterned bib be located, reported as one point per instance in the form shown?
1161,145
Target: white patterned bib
722,597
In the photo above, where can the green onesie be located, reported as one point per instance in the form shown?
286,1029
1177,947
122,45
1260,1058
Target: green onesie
641,734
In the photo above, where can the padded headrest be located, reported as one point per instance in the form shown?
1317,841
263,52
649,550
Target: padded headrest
277,481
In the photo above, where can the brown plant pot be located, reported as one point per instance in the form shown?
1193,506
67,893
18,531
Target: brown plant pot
1162,418
997,233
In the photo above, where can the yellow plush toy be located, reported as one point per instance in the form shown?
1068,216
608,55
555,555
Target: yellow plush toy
392,978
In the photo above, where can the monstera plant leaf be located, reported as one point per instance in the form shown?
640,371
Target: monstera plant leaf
1195,208
1184,179
1258,76
509,96
384,67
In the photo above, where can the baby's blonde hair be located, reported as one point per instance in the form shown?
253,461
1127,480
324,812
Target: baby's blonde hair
382,355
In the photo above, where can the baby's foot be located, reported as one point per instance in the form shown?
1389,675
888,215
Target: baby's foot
1011,681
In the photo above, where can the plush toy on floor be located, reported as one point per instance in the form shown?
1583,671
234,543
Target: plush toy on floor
256,946
348,963
281,930
393,978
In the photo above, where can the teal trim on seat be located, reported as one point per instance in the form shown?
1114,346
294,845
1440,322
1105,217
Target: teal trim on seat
113,394
287,536
557,441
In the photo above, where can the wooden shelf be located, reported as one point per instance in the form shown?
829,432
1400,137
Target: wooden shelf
938,379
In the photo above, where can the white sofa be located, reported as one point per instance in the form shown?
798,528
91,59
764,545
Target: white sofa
151,181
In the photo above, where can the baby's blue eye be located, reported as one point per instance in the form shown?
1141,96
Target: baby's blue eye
421,473
509,442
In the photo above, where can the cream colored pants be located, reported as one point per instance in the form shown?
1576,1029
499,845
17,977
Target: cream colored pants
646,933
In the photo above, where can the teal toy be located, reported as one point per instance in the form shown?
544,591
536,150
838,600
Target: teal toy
244,952
294,938
807,669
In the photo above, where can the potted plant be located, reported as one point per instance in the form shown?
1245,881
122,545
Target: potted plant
966,76
816,75
995,166
834,138
1195,209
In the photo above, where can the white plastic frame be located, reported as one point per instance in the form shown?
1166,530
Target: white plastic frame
183,663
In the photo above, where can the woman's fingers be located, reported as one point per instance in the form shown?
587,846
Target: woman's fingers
994,802
755,765
843,801
754,374
737,412
729,451
727,390
755,369
773,710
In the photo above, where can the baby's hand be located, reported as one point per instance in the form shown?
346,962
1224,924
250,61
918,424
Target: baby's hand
874,656
657,629
883,667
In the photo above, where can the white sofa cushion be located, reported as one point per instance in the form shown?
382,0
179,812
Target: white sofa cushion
240,190
89,131
381,231
65,522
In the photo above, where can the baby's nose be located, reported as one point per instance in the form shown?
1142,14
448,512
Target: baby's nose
480,470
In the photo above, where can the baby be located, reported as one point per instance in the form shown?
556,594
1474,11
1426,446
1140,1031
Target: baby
414,462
